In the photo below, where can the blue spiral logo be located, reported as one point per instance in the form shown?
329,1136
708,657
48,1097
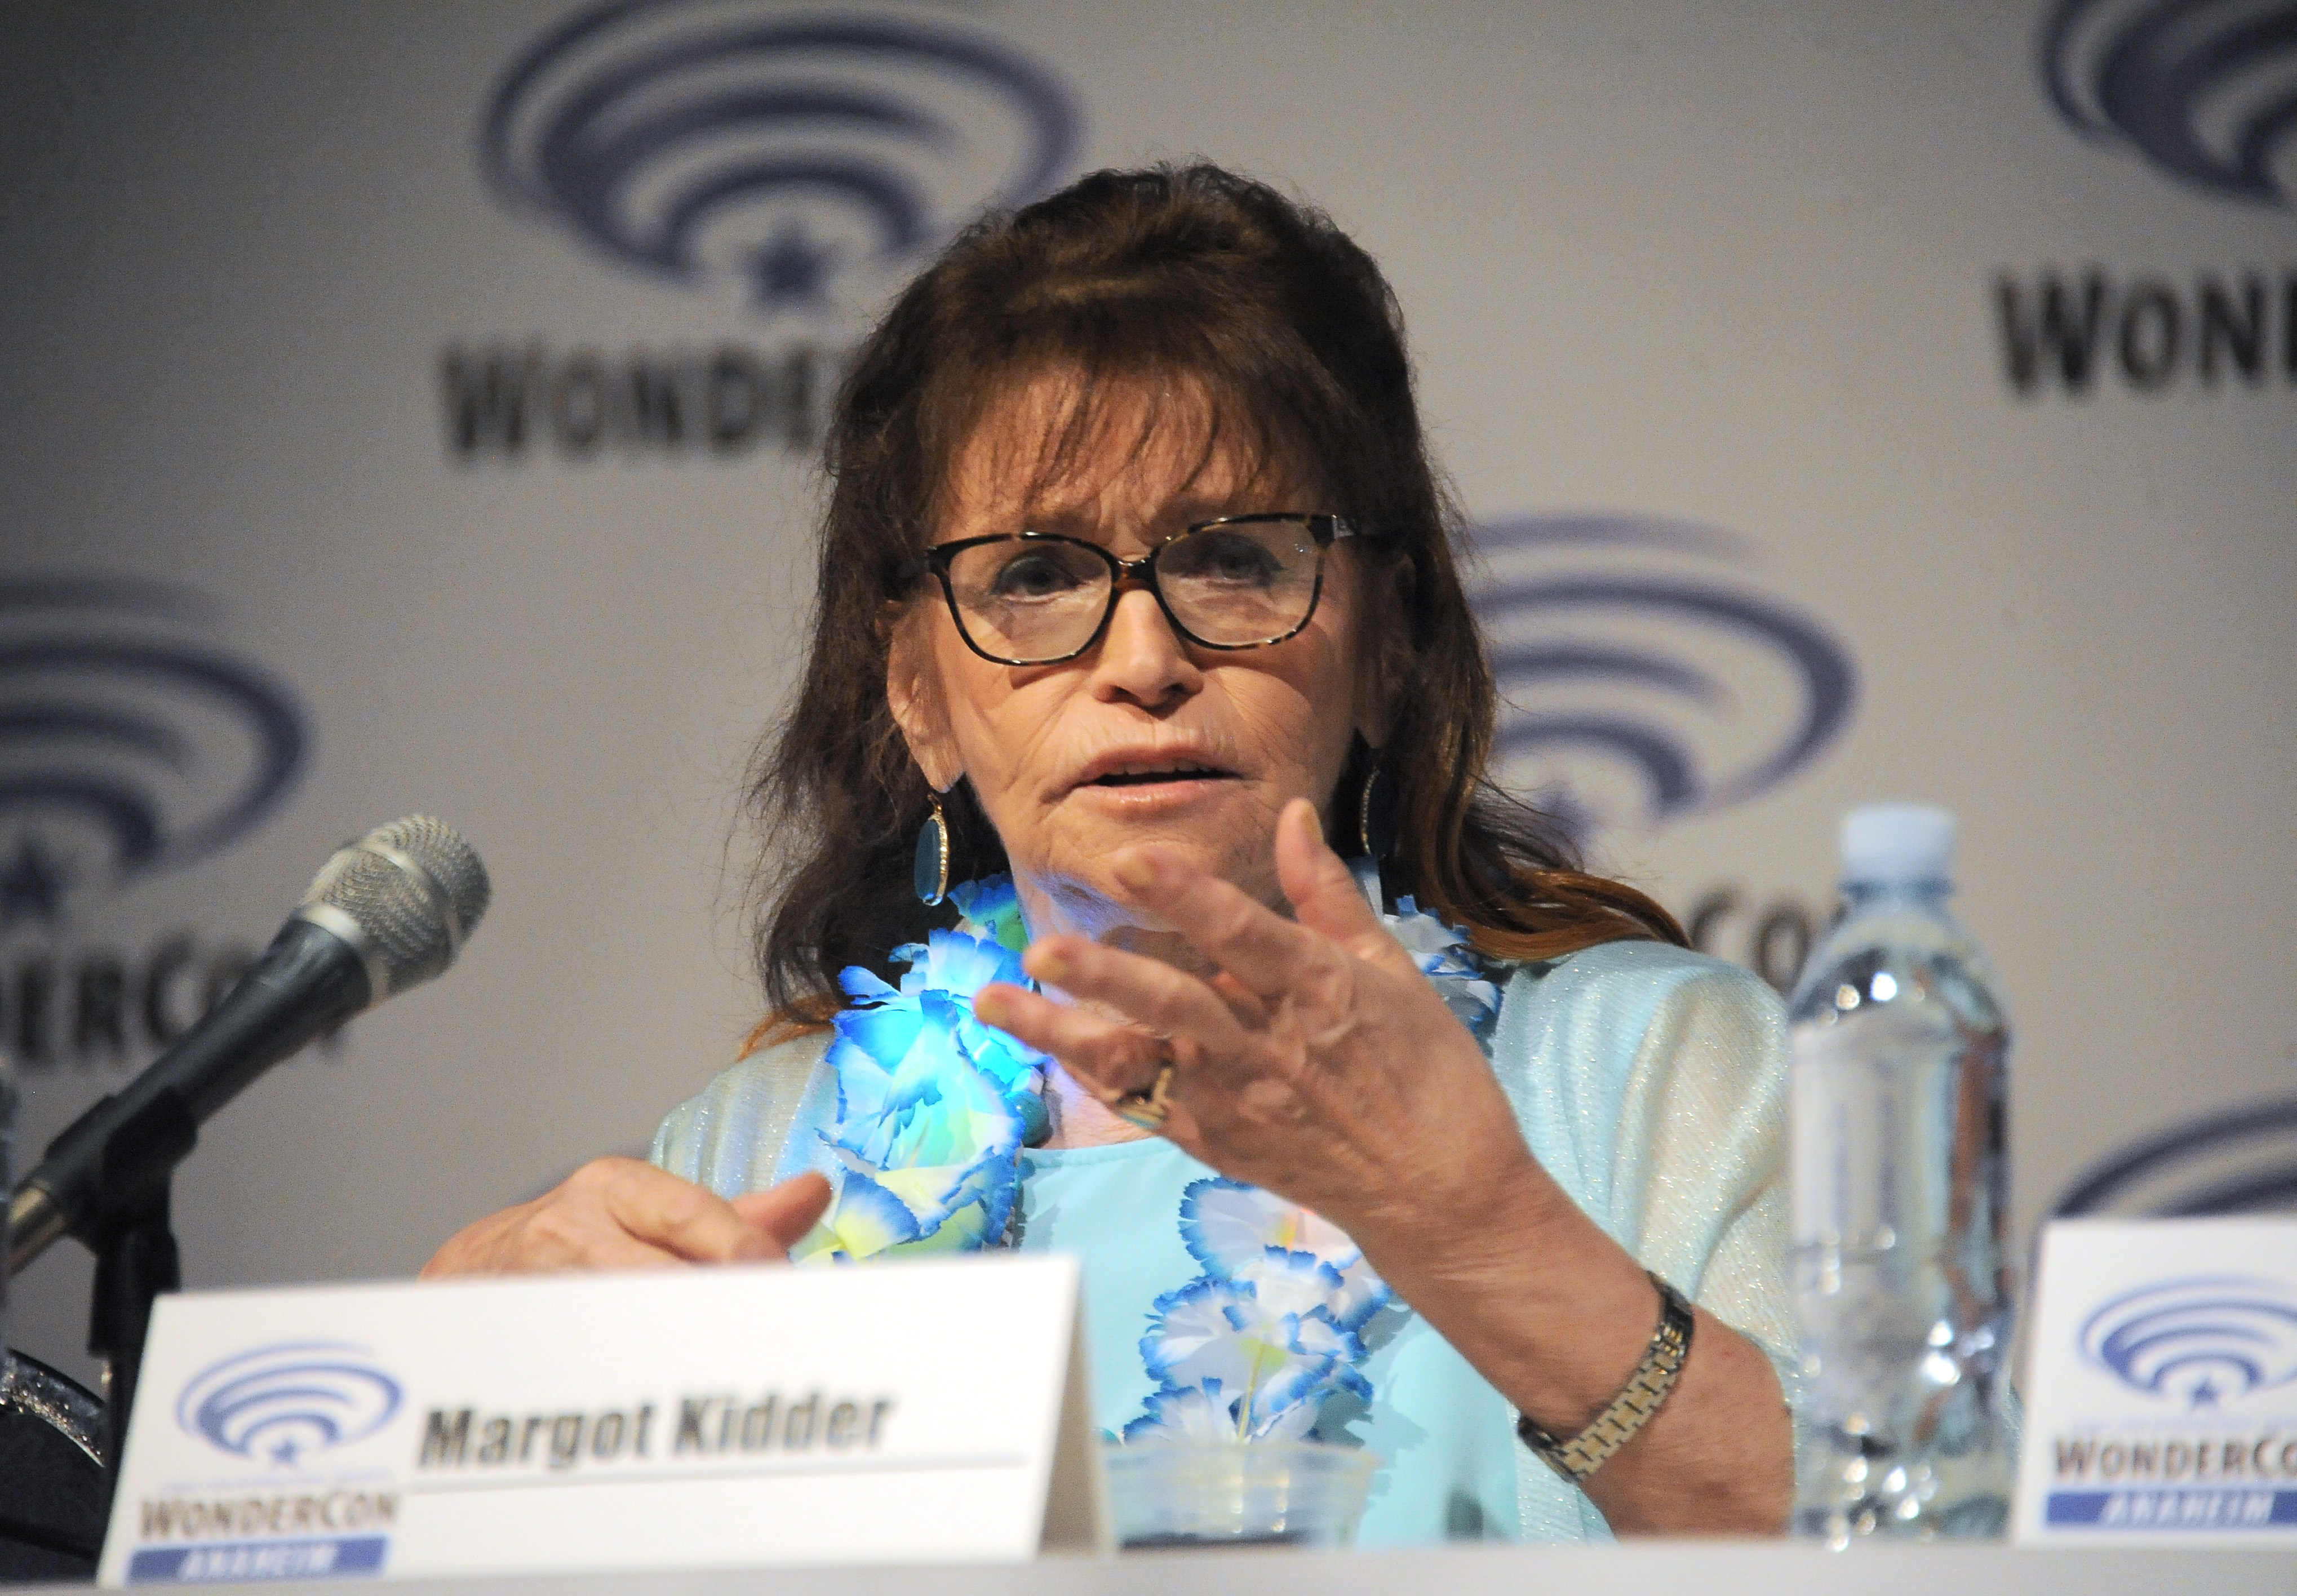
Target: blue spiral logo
277,1402
705,139
2204,89
128,743
2236,1160
1639,681
2202,1341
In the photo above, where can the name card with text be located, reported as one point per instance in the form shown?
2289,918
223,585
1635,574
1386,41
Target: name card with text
929,1410
2162,1384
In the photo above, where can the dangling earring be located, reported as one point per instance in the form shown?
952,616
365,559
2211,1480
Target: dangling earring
1376,815
1375,836
931,874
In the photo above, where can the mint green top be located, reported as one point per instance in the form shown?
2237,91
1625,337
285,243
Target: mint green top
1650,1081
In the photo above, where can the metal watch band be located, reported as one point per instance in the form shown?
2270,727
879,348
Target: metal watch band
1670,1343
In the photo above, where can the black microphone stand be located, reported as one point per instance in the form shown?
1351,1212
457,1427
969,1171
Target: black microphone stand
135,1147
134,1264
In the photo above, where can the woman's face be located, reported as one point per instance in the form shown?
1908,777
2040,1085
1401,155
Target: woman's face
1146,737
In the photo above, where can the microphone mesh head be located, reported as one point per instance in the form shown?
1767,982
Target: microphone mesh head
417,919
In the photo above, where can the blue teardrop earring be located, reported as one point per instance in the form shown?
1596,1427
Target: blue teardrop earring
931,874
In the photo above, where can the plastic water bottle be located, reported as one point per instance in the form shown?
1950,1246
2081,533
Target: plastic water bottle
1901,1193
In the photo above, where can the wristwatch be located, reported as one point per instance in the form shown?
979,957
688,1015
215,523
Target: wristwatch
1670,1343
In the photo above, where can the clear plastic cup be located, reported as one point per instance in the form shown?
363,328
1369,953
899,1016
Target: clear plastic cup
1307,1494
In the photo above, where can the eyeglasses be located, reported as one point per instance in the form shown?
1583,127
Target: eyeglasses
1037,598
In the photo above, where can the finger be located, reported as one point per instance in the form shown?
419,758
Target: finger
787,1212
1109,1057
1166,1001
1242,1001
570,1231
609,1252
681,1218
1260,948
1323,892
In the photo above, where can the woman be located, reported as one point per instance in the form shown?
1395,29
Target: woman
1135,588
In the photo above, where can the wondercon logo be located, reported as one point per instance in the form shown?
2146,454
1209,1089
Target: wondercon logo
1642,679
129,742
784,148
276,1404
2204,89
2200,1342
2238,1160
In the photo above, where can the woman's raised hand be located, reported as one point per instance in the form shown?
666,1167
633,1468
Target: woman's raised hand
1315,1060
622,1213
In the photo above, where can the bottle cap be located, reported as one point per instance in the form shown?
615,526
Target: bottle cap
1897,843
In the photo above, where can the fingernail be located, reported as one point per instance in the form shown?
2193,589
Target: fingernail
1047,964
1135,871
1315,822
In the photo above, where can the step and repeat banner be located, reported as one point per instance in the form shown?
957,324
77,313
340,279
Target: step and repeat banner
414,407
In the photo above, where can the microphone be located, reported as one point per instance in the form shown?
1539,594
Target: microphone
385,913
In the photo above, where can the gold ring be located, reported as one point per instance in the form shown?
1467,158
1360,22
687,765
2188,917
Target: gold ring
1149,1109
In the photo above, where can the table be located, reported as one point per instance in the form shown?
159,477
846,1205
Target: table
1672,1568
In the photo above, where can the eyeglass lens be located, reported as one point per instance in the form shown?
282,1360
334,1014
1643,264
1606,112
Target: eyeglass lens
1032,599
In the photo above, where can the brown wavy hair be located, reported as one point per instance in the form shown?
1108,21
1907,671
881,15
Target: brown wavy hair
1187,273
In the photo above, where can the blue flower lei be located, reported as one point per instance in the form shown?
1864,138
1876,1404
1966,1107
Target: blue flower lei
933,1107
1277,1322
1249,1349
933,1110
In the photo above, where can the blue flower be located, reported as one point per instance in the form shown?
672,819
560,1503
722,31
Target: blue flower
864,1218
1227,1225
1240,1232
1252,1348
1208,1413
1197,1413
1216,1332
959,964
1443,955
946,1155
990,907
932,1106
946,972
1295,1283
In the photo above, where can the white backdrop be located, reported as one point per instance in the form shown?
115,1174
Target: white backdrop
1725,286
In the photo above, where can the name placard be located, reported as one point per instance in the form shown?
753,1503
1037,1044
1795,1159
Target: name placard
2162,1384
681,1419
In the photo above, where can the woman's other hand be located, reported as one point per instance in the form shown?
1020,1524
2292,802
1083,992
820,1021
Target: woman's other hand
623,1213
